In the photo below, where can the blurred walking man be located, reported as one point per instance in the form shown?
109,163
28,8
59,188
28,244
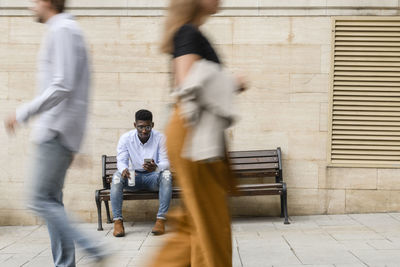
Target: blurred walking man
62,103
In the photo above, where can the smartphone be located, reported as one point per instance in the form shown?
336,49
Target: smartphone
148,160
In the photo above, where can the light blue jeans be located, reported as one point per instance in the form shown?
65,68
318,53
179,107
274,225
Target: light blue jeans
51,161
152,181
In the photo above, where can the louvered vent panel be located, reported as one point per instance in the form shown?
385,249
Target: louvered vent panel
366,92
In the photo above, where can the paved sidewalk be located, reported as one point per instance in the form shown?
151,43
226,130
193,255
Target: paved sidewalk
327,240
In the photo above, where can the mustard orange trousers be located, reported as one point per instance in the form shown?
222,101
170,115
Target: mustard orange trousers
202,225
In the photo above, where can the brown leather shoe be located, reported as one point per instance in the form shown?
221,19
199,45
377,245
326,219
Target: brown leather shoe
119,229
159,227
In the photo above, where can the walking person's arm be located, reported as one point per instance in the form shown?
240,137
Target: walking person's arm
64,56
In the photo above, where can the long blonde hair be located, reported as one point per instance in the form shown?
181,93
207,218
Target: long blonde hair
180,12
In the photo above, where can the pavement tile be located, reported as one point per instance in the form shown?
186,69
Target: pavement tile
379,223
40,262
120,261
21,247
303,240
357,235
255,255
378,258
18,260
351,265
355,244
325,256
308,265
4,257
383,244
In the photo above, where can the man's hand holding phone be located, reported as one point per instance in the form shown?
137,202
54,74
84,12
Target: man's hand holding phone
149,165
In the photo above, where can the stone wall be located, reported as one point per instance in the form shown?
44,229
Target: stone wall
286,56
229,7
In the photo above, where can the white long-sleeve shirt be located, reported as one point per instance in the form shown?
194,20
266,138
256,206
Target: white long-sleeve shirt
63,85
130,148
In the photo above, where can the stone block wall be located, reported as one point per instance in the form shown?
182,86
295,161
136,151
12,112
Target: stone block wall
283,47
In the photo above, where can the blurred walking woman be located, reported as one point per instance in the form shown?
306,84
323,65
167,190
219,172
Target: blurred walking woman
195,141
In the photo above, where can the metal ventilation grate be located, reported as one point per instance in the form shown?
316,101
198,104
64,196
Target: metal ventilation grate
366,91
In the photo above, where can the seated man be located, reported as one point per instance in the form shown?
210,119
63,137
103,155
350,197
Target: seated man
145,149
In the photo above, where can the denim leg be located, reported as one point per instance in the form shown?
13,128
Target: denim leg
116,195
161,182
51,162
164,193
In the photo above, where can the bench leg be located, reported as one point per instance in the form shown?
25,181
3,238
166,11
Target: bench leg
108,212
98,204
284,204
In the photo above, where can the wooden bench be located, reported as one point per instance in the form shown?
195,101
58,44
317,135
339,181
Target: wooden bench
248,166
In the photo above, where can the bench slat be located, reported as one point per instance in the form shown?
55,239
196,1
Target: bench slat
254,153
255,167
111,166
111,171
137,195
236,161
259,186
259,192
255,174
111,159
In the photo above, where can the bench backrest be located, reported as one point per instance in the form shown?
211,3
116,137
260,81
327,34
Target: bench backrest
246,164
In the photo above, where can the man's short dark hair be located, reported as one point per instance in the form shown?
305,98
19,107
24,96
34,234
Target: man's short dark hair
58,5
143,115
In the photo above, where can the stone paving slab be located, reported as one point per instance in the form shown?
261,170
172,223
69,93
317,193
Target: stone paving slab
320,241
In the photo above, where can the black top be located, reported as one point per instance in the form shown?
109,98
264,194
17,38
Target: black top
189,40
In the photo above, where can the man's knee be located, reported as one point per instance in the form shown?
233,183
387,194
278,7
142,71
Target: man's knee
117,179
166,177
41,205
34,204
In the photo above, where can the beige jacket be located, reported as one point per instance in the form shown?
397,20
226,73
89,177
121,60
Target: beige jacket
206,104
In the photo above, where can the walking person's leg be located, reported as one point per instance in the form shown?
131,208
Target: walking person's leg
51,162
176,252
50,165
205,239
207,203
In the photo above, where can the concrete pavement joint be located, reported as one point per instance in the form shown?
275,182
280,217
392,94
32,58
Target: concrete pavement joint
391,215
141,244
291,249
20,238
238,251
351,252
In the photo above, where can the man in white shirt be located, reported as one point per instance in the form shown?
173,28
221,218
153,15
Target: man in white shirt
142,165
61,102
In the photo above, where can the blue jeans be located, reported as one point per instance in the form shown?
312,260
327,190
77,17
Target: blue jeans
152,181
51,161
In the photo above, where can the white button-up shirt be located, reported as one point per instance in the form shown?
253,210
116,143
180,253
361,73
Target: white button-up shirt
63,85
131,150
